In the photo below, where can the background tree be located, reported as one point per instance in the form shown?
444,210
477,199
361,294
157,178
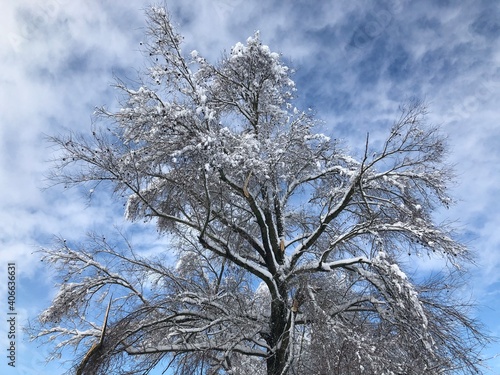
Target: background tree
289,250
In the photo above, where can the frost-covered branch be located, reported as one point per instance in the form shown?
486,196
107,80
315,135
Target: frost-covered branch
285,250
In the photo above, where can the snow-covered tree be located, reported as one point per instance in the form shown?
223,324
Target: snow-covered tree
290,252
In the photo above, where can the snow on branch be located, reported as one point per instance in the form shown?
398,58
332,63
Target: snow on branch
284,244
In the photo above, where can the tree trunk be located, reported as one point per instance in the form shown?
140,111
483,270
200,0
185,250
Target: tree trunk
279,338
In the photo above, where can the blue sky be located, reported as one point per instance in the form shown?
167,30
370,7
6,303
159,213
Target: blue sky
355,62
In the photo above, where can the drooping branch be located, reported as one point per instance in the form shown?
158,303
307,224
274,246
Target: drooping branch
284,250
